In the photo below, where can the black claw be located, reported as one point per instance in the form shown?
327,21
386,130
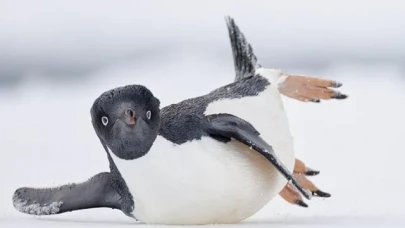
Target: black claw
320,193
312,172
316,100
338,95
336,85
301,203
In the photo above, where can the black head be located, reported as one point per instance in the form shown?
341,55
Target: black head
127,120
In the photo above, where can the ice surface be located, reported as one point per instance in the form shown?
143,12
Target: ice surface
357,144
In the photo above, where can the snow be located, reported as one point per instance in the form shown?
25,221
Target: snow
47,140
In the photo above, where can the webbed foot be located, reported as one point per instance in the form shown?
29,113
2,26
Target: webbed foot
301,171
310,89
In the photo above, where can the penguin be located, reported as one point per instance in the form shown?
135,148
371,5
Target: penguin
213,159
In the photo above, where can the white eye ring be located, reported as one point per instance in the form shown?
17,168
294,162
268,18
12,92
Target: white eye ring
148,114
104,120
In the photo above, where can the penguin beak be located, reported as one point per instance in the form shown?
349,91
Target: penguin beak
126,137
129,117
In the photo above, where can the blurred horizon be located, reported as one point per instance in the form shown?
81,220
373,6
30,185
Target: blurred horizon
66,41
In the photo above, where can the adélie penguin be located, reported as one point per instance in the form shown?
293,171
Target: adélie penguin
216,158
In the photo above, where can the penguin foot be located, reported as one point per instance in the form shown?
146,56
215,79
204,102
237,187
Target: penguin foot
310,89
291,195
301,168
307,184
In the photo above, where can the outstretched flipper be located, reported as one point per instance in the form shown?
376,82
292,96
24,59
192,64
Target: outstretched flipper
299,87
226,127
97,192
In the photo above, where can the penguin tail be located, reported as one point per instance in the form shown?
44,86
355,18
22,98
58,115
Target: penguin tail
245,61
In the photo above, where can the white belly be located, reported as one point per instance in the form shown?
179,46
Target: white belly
206,181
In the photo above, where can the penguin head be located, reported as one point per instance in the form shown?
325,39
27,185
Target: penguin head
127,120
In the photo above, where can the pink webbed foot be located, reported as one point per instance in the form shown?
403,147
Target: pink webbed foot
310,89
291,195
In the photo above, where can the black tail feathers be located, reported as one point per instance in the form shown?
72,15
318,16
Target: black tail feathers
244,58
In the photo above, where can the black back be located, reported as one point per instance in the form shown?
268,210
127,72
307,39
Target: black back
183,121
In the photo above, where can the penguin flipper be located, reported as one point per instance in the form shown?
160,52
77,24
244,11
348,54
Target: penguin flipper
225,127
244,59
94,193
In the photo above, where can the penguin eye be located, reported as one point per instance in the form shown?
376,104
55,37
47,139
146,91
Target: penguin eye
148,114
104,120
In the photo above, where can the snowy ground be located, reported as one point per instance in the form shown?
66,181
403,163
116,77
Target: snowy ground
47,139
